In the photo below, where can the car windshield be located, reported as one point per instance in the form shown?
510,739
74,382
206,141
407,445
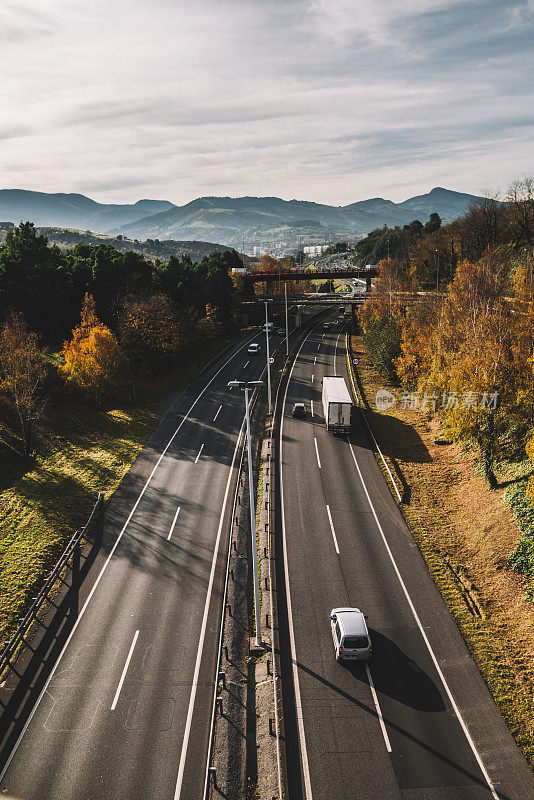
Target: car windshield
355,642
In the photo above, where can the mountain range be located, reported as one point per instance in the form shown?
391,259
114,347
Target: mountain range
259,221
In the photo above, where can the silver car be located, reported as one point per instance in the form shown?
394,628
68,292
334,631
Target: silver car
351,637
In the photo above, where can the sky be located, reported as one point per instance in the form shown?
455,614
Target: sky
326,100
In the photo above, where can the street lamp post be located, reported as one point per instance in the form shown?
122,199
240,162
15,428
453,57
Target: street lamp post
268,357
246,385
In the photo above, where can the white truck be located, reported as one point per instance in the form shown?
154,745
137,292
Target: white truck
337,404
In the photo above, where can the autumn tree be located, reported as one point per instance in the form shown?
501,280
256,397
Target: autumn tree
383,313
471,364
149,331
23,371
210,325
420,342
94,363
390,288
266,264
530,453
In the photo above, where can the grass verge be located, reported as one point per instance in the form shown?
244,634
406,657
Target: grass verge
466,533
81,450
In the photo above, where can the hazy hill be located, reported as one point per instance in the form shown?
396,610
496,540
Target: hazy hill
264,219
259,220
72,210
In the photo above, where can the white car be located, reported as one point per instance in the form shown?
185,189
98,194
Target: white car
351,637
253,349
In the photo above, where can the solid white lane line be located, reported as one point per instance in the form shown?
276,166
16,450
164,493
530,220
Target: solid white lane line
317,452
318,347
124,671
110,556
296,683
332,528
423,634
194,686
335,353
246,364
313,376
217,414
311,401
173,523
315,359
378,709
199,452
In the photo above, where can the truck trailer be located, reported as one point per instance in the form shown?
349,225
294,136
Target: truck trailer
337,404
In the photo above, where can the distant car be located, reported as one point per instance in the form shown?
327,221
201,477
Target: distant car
340,320
350,635
299,410
341,310
253,349
281,332
326,326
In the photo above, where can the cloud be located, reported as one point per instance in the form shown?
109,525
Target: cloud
329,100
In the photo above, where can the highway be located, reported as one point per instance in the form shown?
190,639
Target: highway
418,722
125,711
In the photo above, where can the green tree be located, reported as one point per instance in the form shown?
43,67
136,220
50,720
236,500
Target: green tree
33,281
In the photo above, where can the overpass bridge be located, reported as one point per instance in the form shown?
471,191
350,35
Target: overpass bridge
338,273
334,299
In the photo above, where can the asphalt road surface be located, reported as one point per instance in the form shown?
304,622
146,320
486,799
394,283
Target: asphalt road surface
418,723
125,712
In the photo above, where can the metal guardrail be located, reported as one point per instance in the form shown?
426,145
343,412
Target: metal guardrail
211,745
12,647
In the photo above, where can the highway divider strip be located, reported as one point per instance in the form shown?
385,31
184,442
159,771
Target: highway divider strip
280,756
209,759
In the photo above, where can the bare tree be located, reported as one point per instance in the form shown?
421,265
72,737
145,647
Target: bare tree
520,198
22,371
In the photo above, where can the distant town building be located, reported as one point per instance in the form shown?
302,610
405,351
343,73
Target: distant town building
314,249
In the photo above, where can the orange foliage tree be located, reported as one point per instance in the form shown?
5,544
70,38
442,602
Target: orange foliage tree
210,325
266,264
94,362
461,354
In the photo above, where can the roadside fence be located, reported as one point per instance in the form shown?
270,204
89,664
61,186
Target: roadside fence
11,650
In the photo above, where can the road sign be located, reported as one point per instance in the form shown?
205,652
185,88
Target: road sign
355,361
271,360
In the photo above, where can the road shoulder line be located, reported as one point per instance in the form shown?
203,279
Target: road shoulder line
423,634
